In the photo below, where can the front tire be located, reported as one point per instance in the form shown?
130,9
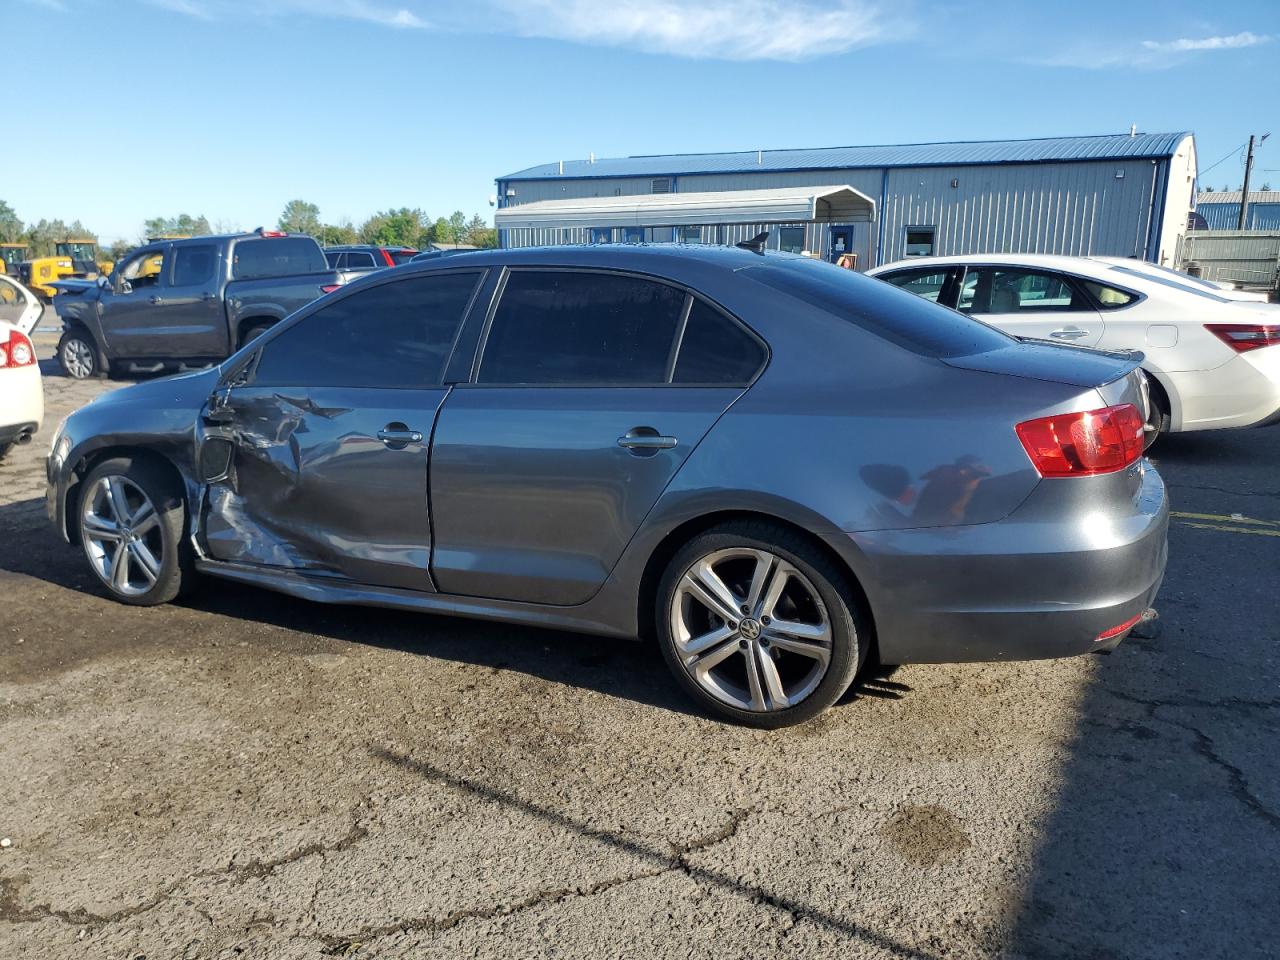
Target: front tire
132,518
78,355
758,625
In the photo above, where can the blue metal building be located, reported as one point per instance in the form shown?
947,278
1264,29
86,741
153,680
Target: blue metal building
1118,195
1221,209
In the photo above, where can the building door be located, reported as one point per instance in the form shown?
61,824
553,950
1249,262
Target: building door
841,243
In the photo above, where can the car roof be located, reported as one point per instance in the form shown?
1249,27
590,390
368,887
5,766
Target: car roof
1046,260
634,256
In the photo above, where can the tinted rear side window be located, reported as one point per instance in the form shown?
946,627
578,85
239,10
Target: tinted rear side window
559,327
881,308
400,256
193,265
392,335
276,257
715,349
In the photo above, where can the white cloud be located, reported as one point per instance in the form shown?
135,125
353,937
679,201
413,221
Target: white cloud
387,15
1233,42
721,29
1148,54
188,7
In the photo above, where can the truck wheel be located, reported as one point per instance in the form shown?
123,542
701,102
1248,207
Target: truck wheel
253,333
78,355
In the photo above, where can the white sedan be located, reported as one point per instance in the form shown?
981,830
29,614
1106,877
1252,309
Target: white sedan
21,390
1212,359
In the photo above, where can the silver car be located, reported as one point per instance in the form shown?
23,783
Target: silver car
775,467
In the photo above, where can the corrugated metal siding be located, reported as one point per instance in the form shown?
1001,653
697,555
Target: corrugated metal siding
1249,257
1051,149
1073,209
1226,216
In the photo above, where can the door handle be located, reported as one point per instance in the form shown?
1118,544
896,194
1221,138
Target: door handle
155,300
645,441
207,296
397,436
1069,333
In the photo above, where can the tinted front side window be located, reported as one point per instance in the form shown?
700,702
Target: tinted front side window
276,257
715,349
392,335
194,265
880,308
573,328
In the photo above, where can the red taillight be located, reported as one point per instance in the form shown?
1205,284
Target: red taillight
1118,629
330,287
17,351
1243,337
1084,444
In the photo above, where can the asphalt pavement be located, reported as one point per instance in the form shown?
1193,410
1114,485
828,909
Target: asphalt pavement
247,775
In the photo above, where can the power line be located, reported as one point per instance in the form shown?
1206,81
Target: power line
1235,152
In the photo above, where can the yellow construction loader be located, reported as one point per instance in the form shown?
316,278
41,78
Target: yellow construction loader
77,258
11,255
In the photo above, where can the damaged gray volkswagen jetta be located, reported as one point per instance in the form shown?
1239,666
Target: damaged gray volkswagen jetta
773,465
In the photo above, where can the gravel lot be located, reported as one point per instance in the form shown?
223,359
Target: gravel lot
248,775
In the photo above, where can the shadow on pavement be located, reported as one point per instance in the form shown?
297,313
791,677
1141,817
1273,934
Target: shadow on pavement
1165,840
629,670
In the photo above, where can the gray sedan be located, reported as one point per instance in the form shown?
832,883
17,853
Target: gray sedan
775,467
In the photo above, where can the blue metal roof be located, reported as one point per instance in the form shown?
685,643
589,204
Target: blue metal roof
1109,147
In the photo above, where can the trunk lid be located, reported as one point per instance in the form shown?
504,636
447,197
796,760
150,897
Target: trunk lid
1052,362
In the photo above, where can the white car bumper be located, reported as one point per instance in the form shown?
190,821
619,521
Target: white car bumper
21,403
1242,392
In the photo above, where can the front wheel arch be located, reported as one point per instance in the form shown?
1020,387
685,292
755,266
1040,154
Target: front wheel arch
71,502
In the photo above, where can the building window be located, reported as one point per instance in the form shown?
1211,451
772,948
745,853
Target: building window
690,234
919,242
791,239
634,235
601,235
661,185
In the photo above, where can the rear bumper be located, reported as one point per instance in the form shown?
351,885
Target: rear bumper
18,432
1243,392
1043,583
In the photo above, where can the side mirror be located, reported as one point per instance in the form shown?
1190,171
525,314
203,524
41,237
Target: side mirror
215,459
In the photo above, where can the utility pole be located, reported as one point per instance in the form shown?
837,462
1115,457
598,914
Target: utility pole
1244,192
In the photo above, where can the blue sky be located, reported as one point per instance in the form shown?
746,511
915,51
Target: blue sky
230,108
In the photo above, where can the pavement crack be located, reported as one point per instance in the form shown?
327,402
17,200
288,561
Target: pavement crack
1240,788
677,859
13,912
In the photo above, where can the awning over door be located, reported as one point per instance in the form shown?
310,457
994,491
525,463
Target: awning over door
833,204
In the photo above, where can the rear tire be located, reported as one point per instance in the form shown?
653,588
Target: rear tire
4,449
1159,420
78,355
785,643
131,519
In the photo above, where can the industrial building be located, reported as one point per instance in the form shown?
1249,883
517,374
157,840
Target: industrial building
1221,210
1118,195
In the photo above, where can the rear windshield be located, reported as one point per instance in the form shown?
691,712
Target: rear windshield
1183,283
276,257
881,308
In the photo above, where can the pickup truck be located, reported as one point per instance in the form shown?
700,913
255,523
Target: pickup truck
182,304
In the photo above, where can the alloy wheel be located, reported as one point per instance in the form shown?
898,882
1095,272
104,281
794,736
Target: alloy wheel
120,528
77,358
751,629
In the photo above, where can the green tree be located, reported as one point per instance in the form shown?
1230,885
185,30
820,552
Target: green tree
331,234
44,235
480,234
10,225
395,228
183,225
300,217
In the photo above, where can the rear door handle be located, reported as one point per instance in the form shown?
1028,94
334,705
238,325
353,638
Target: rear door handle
156,301
1069,333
